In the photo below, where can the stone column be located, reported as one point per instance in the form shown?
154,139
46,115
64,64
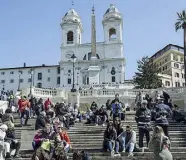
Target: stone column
74,97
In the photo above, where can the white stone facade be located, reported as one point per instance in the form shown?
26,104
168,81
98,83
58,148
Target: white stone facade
110,57
43,77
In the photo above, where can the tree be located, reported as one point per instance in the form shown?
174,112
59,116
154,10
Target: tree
147,75
181,23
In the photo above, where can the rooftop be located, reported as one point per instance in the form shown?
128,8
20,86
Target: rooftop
29,67
167,48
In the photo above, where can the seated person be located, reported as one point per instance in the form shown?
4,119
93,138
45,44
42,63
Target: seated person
118,126
5,145
93,107
127,140
40,121
11,139
110,140
45,151
101,116
65,138
38,139
89,116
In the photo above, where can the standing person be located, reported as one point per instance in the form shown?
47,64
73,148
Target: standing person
47,104
39,106
143,119
163,122
166,97
33,102
24,106
160,145
138,100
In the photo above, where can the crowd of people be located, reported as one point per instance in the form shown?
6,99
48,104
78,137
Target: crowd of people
53,121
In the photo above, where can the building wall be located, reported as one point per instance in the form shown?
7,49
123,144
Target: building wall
171,63
11,77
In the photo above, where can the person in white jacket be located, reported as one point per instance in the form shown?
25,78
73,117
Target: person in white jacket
5,145
127,140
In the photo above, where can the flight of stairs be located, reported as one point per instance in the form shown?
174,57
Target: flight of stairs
90,138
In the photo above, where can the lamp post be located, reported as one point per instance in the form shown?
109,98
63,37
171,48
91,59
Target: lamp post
73,60
19,72
31,80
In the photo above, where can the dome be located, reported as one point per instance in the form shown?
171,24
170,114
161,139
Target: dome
112,9
112,12
72,16
71,12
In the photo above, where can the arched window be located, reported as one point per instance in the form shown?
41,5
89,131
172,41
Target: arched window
70,37
112,33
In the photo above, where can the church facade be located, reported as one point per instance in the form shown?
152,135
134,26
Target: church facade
109,53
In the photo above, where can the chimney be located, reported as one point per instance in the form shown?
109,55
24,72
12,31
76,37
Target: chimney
24,65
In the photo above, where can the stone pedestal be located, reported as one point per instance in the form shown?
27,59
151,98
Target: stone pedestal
93,74
74,97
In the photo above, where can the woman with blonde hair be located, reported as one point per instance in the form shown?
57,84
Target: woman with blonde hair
160,145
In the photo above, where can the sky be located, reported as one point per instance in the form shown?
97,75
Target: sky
30,29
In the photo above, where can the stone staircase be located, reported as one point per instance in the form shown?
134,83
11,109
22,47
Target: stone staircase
90,138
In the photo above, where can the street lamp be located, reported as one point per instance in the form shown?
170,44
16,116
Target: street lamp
19,72
73,60
31,80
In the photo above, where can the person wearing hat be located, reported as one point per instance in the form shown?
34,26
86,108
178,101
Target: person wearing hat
143,119
6,145
161,106
38,139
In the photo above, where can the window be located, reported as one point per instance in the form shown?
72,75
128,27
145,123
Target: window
58,70
176,65
48,79
69,71
165,60
160,63
70,37
177,75
175,58
39,85
182,75
2,73
12,72
21,72
177,84
182,67
29,80
113,79
167,83
48,70
58,80
2,81
181,59
183,84
85,57
69,81
12,81
39,77
21,80
90,54
112,34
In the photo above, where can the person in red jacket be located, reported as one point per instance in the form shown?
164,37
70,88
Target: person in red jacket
24,106
47,104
